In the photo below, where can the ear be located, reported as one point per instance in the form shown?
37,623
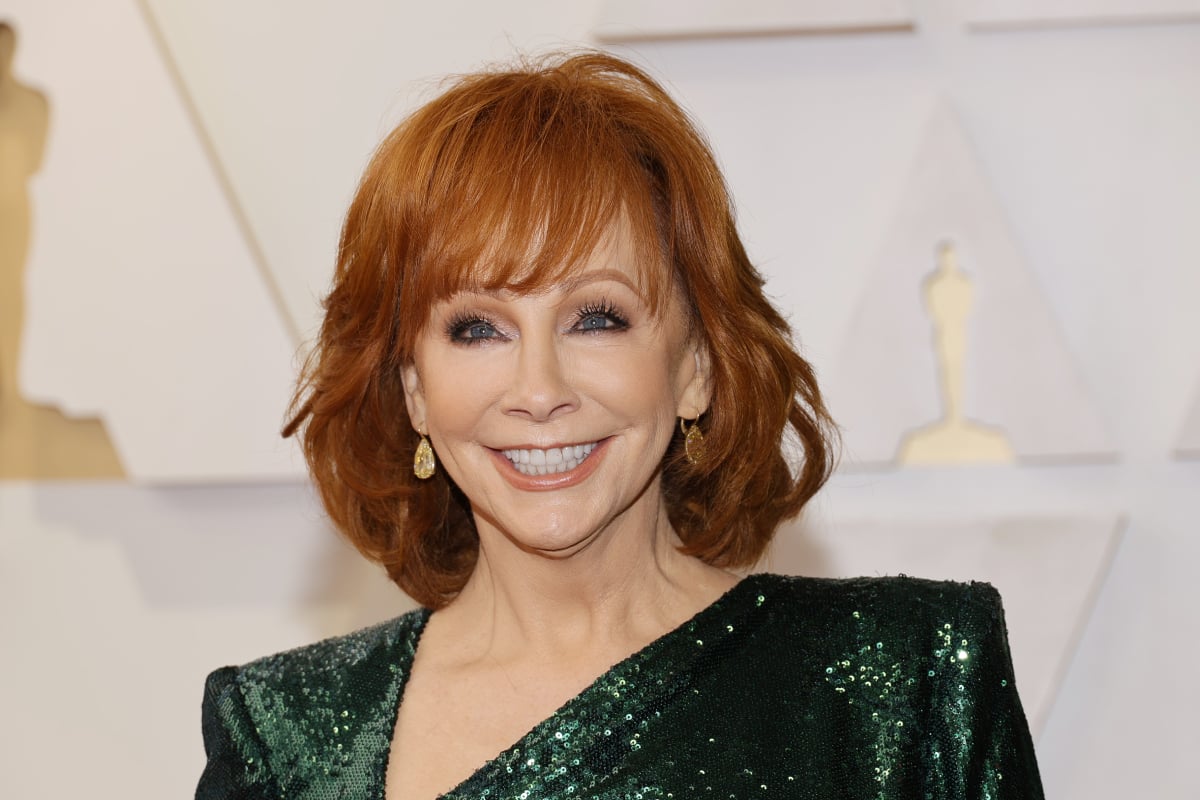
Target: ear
695,381
414,396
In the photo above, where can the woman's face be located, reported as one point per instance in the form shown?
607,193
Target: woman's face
552,411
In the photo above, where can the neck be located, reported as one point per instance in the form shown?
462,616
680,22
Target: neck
619,591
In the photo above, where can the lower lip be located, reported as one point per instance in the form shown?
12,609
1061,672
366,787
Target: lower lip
558,480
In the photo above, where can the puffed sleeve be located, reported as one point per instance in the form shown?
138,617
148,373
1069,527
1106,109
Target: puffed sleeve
979,745
236,768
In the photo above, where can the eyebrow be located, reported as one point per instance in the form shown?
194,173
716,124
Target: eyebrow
597,275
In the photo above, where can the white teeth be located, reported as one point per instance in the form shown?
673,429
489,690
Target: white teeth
549,462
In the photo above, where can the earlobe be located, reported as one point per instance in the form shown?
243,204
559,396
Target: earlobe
414,396
697,391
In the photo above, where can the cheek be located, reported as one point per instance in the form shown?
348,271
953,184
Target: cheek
641,379
457,395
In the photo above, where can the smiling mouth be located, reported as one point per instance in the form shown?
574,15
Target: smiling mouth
549,462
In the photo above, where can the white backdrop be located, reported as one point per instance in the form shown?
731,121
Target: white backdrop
116,599
144,305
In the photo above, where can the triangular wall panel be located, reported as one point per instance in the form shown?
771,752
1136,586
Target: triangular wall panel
145,306
1019,376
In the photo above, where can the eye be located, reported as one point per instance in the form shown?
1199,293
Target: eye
602,316
470,328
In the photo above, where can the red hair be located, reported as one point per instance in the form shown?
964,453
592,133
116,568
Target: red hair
509,179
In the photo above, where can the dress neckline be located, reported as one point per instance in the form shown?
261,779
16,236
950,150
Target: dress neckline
661,666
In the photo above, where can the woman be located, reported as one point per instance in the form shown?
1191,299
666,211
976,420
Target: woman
550,398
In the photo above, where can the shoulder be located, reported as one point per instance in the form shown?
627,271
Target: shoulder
910,671
917,598
301,710
329,666
906,616
851,635
335,655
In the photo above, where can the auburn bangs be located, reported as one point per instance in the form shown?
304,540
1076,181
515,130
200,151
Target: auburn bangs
516,194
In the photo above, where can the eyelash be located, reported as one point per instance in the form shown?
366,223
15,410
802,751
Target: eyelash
462,322
458,325
606,309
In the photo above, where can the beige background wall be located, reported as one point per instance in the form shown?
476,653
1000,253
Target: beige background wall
116,597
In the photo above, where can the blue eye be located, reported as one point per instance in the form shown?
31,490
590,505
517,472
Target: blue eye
600,317
480,330
470,329
594,322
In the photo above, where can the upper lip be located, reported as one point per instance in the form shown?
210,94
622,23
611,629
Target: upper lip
557,446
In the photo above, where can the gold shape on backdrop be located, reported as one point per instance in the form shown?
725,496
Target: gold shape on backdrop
953,439
35,441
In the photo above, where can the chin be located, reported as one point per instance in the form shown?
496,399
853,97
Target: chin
561,527
550,539
556,544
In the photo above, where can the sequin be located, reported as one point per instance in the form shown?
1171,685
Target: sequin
803,688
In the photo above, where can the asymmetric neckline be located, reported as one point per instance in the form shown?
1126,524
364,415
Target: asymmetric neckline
657,669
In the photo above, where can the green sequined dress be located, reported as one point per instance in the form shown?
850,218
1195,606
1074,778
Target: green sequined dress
783,688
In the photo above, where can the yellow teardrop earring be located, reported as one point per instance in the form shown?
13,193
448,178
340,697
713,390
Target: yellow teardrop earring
424,461
693,440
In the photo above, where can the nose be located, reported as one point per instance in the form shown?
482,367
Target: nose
541,388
